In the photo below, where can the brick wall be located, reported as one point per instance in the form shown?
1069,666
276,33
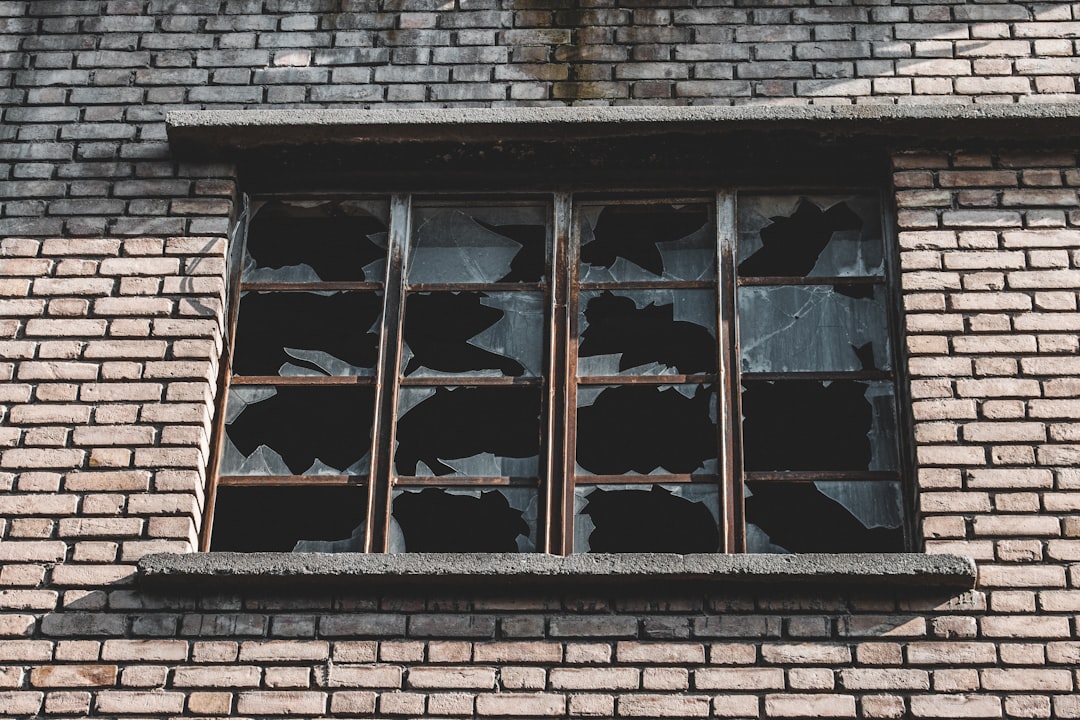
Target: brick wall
111,298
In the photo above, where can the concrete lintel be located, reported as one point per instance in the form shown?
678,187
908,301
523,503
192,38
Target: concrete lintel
223,131
215,570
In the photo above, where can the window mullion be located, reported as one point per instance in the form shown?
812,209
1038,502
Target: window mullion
728,424
386,387
558,475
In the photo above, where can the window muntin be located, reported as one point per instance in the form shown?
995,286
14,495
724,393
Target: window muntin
567,374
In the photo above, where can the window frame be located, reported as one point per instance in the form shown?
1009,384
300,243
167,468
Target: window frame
562,287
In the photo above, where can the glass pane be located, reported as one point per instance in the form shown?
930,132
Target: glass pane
296,430
678,518
458,519
818,425
824,517
813,327
305,333
473,333
647,241
647,332
479,244
816,236
304,241
646,429
470,431
289,519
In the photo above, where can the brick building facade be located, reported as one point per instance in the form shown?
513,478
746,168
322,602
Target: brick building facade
113,309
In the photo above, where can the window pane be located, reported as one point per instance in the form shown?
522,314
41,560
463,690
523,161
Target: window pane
307,333
479,244
813,327
458,519
860,516
817,236
304,241
818,425
646,429
473,333
289,519
471,431
297,430
678,518
647,332
647,241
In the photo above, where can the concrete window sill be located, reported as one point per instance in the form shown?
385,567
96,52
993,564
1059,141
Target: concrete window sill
237,570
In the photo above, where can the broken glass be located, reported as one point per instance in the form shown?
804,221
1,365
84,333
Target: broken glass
677,518
790,328
816,236
293,518
487,431
297,430
306,333
647,332
308,241
479,244
646,429
818,425
462,519
647,241
824,517
474,333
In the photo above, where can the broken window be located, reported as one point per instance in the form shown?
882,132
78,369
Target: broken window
560,374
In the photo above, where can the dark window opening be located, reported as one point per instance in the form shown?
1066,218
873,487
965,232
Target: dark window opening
561,374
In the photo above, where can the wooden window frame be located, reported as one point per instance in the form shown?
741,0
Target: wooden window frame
561,286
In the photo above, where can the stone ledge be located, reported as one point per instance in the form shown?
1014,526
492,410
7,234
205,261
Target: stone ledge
221,131
217,570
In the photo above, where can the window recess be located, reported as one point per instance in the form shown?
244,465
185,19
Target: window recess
560,373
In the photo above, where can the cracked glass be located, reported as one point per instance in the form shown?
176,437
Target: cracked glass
307,334
647,332
673,517
810,236
479,244
310,241
647,241
646,429
464,519
824,516
297,430
485,431
497,334
791,328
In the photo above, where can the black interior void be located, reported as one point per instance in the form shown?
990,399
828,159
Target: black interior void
301,424
791,245
528,265
806,425
641,428
434,520
337,246
275,519
654,520
461,422
335,324
633,233
438,327
645,335
800,518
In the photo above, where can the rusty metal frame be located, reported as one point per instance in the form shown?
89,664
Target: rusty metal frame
557,477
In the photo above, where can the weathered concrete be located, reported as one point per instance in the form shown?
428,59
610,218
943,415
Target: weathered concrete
223,130
269,569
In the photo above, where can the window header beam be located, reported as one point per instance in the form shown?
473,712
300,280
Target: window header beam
227,131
